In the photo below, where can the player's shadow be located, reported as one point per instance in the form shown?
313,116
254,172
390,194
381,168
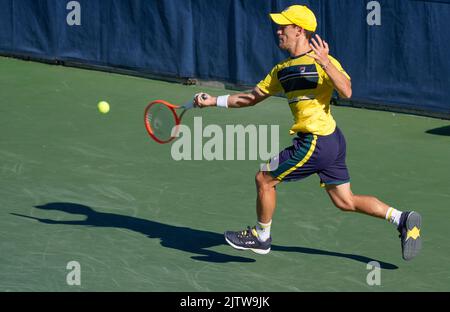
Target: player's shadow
363,259
181,238
176,237
440,131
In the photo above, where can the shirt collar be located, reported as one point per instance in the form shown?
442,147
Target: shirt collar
298,56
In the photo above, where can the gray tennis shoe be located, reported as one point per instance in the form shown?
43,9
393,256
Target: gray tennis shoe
248,240
409,228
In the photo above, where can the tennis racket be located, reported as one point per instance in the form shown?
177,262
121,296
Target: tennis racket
162,120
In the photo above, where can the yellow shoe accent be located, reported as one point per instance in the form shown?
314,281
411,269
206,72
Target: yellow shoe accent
414,233
254,232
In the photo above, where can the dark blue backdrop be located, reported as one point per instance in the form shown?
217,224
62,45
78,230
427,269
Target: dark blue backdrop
403,62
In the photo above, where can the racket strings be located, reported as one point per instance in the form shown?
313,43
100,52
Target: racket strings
161,120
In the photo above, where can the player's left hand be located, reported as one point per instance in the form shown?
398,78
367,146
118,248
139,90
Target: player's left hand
321,50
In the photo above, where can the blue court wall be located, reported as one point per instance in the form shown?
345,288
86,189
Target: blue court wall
396,51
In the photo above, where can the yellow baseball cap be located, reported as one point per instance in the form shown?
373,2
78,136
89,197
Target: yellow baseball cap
299,15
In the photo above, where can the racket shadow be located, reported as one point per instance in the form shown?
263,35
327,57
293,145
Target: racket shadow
445,131
175,237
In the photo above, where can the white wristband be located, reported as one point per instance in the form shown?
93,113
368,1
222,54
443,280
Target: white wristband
222,101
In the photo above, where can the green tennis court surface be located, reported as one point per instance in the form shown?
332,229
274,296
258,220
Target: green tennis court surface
76,185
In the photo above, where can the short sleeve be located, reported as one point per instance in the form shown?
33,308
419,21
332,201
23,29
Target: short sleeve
271,85
338,66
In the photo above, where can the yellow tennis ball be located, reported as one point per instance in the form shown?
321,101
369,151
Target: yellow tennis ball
103,107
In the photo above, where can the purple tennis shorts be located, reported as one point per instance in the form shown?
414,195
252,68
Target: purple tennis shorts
310,153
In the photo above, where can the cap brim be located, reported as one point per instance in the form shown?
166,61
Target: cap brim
279,19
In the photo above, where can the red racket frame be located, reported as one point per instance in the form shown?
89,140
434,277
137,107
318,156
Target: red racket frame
148,127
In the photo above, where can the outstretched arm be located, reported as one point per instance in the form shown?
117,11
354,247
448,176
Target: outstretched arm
49,221
233,101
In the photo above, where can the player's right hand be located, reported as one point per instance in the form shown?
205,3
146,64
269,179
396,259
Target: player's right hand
204,100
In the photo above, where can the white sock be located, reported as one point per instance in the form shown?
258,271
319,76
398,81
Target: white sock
263,230
393,216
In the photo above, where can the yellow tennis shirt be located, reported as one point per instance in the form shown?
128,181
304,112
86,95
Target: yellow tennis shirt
308,89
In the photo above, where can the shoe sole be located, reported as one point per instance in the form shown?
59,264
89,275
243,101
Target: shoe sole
258,251
412,246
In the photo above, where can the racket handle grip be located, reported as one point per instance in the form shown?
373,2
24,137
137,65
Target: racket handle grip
192,103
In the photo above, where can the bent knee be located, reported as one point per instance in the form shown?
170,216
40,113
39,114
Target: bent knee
264,180
259,178
345,205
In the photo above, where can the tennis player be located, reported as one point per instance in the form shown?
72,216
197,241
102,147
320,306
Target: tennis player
307,79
